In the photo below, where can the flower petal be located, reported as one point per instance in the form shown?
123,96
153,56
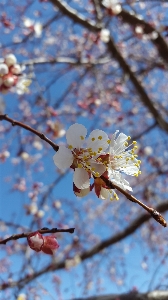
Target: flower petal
81,178
104,193
97,168
50,245
75,135
130,170
82,193
63,158
98,141
35,241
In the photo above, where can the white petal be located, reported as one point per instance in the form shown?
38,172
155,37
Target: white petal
130,170
104,193
82,192
121,138
120,181
81,178
98,141
63,158
75,135
98,168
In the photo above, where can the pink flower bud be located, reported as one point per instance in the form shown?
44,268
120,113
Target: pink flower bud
50,244
35,241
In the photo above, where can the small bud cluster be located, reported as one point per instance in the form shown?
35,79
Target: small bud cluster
11,76
46,244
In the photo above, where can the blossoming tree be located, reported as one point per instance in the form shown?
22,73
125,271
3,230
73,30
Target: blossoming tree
83,133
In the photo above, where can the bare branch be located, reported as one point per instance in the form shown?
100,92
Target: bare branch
133,226
141,91
42,231
67,60
73,14
27,127
154,213
159,41
153,295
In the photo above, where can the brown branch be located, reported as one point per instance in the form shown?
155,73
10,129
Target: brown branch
76,17
98,11
27,127
42,231
133,226
66,60
153,295
159,42
154,213
139,88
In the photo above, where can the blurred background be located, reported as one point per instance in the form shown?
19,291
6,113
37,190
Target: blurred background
103,64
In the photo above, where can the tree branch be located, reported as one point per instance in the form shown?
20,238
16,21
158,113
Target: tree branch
154,213
66,60
141,91
27,127
76,17
134,225
154,295
159,42
42,231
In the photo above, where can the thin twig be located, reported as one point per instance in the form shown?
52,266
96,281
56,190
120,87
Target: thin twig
42,231
154,213
27,127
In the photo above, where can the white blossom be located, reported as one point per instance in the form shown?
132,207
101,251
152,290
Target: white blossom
36,26
22,85
105,35
10,60
3,69
83,160
113,5
121,159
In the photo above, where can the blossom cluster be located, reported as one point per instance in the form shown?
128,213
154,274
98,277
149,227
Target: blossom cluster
11,77
113,6
101,157
46,244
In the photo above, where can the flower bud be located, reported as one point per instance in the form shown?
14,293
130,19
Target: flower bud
8,80
35,241
10,60
16,69
50,244
3,69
